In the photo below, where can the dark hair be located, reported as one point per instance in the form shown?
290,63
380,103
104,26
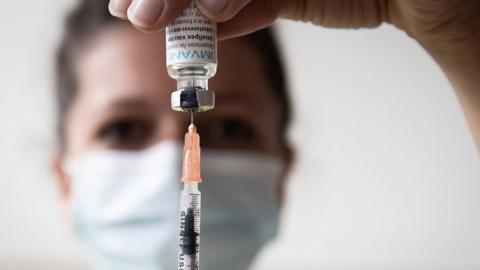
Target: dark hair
89,16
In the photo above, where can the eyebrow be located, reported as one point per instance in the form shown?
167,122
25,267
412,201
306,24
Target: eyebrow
237,97
129,103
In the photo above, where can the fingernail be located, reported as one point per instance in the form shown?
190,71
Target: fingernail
118,8
211,8
145,13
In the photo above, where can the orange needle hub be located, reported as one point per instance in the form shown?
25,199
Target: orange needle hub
191,156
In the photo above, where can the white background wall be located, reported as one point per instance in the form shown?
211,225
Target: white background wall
387,175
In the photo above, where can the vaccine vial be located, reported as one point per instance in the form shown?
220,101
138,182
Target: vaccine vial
191,56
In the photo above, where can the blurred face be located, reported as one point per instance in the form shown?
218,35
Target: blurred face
124,92
123,99
123,104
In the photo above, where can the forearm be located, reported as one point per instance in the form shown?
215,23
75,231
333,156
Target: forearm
460,61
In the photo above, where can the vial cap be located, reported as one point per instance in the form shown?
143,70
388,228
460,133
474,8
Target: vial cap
192,99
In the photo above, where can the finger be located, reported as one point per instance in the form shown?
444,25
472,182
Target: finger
118,8
220,10
339,13
256,15
154,15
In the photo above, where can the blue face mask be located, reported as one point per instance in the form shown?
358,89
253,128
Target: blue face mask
125,206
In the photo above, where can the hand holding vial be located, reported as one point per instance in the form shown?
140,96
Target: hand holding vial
447,29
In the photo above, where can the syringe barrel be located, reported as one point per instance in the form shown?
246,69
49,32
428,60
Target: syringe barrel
189,233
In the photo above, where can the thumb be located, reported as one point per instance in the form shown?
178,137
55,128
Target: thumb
255,15
221,10
147,15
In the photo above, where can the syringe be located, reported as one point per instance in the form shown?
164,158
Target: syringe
191,54
190,198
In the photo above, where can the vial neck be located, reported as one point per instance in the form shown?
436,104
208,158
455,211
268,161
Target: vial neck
192,81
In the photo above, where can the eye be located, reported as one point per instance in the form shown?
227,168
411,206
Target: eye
125,133
234,130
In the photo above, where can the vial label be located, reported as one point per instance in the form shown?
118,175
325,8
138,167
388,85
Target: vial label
191,38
